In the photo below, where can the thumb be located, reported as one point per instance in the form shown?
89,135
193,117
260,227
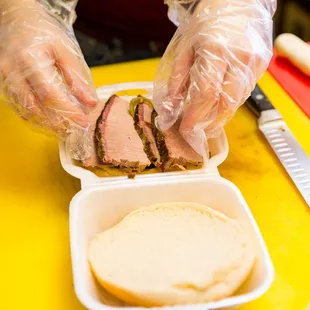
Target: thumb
170,82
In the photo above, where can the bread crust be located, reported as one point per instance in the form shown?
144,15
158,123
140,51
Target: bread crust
188,270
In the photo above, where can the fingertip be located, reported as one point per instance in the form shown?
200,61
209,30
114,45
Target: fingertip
85,96
91,102
74,115
83,121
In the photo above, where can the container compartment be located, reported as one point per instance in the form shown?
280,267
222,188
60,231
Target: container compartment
98,208
218,147
104,201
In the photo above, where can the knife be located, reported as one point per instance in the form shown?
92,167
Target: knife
294,159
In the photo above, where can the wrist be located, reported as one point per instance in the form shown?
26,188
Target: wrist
178,9
62,10
7,5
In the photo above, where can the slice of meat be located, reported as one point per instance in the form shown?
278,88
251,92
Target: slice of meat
94,160
173,149
143,125
118,142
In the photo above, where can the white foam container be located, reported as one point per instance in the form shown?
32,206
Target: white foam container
102,202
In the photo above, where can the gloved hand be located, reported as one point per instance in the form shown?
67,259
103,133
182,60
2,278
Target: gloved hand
43,73
212,64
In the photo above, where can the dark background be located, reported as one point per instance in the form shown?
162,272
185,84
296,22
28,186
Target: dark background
117,31
293,16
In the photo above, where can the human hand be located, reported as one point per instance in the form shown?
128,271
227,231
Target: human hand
211,66
44,75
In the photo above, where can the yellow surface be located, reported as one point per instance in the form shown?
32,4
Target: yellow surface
35,192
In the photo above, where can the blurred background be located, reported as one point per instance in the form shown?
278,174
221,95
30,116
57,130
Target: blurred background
118,31
293,16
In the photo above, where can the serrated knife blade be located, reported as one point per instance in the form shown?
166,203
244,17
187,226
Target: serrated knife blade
293,158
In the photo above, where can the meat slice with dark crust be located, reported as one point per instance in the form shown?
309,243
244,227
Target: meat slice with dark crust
118,142
94,160
143,125
173,149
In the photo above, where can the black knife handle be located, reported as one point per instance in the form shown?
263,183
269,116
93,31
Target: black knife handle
258,102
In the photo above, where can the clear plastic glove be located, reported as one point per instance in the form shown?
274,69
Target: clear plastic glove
212,64
44,75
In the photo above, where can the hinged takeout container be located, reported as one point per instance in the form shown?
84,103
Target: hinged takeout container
104,201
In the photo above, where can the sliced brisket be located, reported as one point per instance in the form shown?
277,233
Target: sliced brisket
173,149
143,125
118,142
94,160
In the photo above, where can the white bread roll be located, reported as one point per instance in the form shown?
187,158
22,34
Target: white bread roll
295,50
173,253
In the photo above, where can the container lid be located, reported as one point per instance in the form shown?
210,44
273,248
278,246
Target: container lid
218,146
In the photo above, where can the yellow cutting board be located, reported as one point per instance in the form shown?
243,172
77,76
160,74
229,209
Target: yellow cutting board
35,194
